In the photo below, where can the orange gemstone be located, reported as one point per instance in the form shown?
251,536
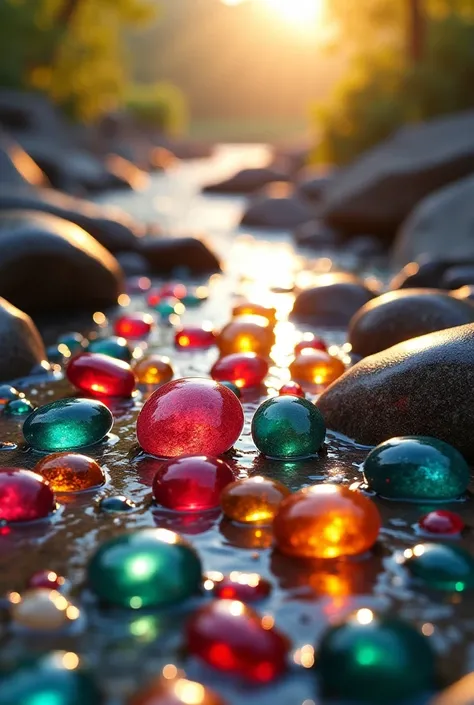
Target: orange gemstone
70,472
154,369
253,501
250,309
175,691
246,335
326,521
316,367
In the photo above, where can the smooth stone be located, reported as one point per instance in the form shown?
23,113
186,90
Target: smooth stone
21,346
101,375
41,610
416,468
427,273
441,566
116,504
114,346
254,500
165,255
421,387
401,315
18,407
333,301
24,496
267,211
246,181
67,424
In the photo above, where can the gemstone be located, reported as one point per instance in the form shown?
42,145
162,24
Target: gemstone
148,568
253,501
288,427
194,338
42,609
245,587
416,468
252,309
316,367
191,483
116,504
67,424
242,336
312,342
18,407
191,416
231,637
8,393
154,297
46,579
24,496
173,289
154,369
176,691
74,342
169,305
101,375
195,297
233,387
244,369
113,347
441,566
70,472
441,521
291,389
326,521
134,326
56,354
375,659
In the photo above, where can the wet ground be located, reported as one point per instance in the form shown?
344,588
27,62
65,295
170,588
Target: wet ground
124,648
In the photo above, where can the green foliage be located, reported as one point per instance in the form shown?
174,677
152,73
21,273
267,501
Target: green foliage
159,105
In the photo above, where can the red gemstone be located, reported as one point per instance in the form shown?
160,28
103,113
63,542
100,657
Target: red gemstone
191,416
231,637
311,341
191,483
243,369
246,587
178,291
101,375
292,389
194,338
46,579
442,521
24,496
134,325
154,297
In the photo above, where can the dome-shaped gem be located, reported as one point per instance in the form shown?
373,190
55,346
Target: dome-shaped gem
326,521
291,389
46,579
194,338
134,326
244,369
43,609
70,472
441,566
233,388
18,407
101,375
191,483
24,496
231,637
310,341
176,691
154,369
316,367
74,342
288,427
252,309
246,587
148,568
377,660
168,305
116,504
67,424
113,347
243,335
416,468
190,416
441,521
253,501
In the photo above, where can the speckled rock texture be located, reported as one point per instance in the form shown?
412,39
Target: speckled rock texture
333,302
21,346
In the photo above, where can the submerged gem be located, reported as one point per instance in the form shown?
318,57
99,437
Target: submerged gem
101,375
312,342
233,388
255,500
116,504
70,472
74,342
441,566
252,309
24,496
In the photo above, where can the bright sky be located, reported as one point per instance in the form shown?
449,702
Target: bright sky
300,13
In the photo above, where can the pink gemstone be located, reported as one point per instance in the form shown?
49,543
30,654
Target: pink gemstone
243,369
101,375
24,496
292,389
194,338
442,521
134,326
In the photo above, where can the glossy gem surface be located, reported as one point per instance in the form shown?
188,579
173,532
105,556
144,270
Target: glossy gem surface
191,483
441,566
231,637
194,338
75,342
70,472
148,568
243,369
176,691
134,326
42,609
114,346
18,407
191,416
416,468
252,309
326,521
376,660
310,341
245,587
67,424
316,367
442,521
154,369
291,389
255,500
101,375
288,427
233,388
46,579
24,496
242,336
117,504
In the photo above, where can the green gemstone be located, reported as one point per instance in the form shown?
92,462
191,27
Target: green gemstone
441,566
416,468
75,342
191,300
233,388
288,427
165,307
67,424
148,568
113,347
384,660
18,407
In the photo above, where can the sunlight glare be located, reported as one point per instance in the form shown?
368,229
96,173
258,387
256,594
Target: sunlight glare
298,12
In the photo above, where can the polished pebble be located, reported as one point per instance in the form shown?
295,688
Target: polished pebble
316,367
114,346
441,521
245,587
42,609
169,305
291,389
194,338
101,375
243,369
244,335
18,407
24,496
70,472
440,566
117,504
255,500
134,326
153,369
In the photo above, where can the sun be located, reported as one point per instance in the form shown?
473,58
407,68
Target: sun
298,12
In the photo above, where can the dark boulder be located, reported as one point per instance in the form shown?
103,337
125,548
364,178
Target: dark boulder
167,255
21,346
246,181
312,182
277,210
316,235
333,301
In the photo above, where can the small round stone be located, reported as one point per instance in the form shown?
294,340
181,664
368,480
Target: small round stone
251,309
74,342
244,335
195,297
134,326
176,691
441,566
374,659
231,637
117,504
8,393
46,579
43,609
67,424
326,521
245,587
154,369
191,483
70,472
191,416
441,521
310,341
169,305
288,427
24,496
243,369
233,388
114,346
194,338
291,389
18,407
148,568
253,501
416,468
316,367
101,375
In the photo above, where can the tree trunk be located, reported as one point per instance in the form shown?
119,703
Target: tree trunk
416,31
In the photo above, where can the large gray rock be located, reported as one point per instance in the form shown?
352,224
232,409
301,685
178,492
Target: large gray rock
277,212
400,315
168,255
377,192
333,301
247,181
48,264
21,346
441,226
420,387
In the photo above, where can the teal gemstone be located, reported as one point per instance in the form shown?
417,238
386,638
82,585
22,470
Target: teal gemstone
378,661
67,424
55,355
288,427
233,388
441,566
191,300
75,342
113,347
18,407
166,307
416,468
149,568
117,504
